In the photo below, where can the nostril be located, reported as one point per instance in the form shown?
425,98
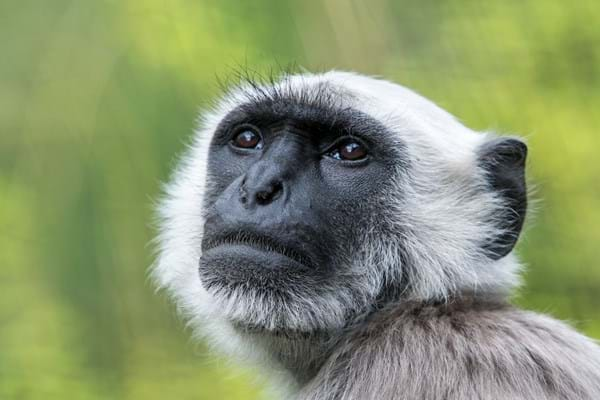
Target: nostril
277,189
264,197
243,193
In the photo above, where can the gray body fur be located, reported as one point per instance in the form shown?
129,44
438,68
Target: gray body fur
471,349
450,334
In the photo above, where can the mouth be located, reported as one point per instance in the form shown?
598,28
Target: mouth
256,242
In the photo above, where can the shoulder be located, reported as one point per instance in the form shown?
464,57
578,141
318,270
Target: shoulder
463,350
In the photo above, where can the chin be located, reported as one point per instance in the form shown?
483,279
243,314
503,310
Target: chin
261,290
256,289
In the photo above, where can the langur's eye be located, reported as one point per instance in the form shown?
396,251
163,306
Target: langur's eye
350,150
247,138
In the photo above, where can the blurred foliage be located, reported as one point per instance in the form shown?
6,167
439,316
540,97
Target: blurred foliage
97,98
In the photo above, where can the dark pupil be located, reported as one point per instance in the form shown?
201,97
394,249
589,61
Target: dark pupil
246,139
352,151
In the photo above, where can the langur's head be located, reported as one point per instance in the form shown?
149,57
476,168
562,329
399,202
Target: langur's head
304,203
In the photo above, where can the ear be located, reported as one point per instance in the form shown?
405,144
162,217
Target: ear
503,160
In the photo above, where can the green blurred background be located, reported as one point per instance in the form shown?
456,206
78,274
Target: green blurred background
98,97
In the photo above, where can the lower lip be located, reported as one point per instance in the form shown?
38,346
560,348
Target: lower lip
266,257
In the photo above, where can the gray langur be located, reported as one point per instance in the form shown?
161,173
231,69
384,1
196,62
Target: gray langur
356,240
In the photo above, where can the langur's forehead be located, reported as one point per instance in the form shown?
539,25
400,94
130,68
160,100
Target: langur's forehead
319,106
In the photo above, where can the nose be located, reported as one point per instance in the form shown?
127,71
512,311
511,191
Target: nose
261,196
262,185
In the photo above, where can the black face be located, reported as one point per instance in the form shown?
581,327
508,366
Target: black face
289,192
